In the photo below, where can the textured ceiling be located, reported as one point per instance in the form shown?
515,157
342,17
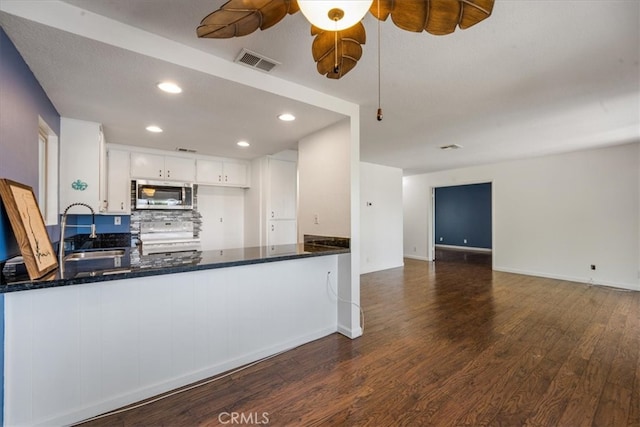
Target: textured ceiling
536,77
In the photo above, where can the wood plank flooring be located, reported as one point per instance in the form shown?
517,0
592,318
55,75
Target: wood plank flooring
449,343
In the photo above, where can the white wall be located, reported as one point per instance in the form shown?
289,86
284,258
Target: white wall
329,186
324,177
415,209
380,217
553,216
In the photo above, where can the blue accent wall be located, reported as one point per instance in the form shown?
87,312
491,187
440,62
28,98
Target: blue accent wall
22,101
463,212
2,359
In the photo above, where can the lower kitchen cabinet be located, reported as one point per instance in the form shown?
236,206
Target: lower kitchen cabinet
281,232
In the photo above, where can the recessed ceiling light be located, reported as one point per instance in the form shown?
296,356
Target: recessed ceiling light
154,129
169,87
286,117
243,144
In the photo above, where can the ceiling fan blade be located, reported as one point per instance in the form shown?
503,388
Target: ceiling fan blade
349,51
238,18
443,17
385,6
474,11
411,15
437,17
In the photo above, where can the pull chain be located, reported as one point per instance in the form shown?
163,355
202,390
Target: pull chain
379,115
336,68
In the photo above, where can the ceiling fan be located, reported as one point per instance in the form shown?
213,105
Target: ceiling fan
337,46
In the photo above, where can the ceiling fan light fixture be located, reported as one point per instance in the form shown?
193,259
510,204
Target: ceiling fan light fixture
334,15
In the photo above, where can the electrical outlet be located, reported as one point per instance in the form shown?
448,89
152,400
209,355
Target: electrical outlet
465,240
316,219
441,239
117,220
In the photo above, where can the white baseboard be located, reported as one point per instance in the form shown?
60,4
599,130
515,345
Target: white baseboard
418,257
464,248
628,286
350,333
373,269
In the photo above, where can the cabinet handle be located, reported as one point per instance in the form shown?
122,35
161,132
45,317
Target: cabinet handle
225,178
160,173
219,178
121,206
273,228
168,174
273,214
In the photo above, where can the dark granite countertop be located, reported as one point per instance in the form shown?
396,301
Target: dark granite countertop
133,265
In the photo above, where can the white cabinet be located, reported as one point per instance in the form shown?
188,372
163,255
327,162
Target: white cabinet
281,232
271,202
222,211
118,182
82,165
156,166
222,172
282,181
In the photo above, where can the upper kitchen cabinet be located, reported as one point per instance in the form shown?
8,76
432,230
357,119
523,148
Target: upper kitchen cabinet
155,166
82,165
233,173
118,182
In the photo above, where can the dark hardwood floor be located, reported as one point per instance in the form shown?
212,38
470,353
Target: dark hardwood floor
449,343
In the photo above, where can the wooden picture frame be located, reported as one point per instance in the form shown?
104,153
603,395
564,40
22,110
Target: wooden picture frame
28,226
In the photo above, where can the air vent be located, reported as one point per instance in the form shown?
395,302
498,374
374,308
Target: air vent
185,150
450,147
255,60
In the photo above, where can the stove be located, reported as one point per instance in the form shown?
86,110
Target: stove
167,236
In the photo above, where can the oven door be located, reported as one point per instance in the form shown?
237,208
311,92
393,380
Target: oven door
163,195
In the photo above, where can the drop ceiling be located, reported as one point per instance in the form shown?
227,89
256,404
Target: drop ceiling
534,78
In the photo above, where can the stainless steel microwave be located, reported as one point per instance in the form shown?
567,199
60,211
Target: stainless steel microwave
163,195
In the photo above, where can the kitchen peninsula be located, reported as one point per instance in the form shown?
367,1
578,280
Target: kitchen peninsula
100,339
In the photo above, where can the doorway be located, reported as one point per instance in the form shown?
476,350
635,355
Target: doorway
462,225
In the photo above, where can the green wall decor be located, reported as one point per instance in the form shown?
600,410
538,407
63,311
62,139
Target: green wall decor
79,185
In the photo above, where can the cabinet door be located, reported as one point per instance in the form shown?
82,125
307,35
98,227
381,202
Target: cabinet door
144,165
222,211
281,232
208,171
118,182
235,173
283,177
179,169
80,165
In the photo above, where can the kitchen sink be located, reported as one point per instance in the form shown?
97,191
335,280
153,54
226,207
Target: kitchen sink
100,254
